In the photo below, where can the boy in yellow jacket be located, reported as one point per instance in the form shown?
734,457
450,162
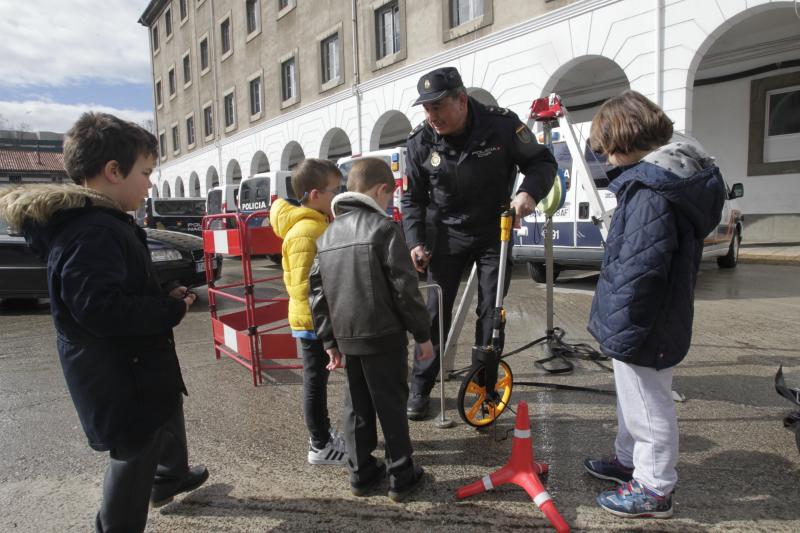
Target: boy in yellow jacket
299,224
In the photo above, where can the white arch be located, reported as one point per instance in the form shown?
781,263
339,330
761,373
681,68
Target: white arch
335,144
179,192
391,129
259,163
165,189
233,172
194,185
482,95
292,155
212,178
154,191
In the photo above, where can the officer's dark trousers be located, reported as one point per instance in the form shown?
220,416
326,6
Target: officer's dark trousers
454,253
376,384
133,469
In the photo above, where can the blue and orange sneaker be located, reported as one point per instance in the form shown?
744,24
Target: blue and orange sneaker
634,500
608,468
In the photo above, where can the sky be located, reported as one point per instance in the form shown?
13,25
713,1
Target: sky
60,58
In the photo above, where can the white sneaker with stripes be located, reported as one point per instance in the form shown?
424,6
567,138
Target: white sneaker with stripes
334,453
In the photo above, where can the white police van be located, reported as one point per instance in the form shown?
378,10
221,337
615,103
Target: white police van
396,159
577,242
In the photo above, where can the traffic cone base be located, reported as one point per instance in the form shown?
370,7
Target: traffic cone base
522,470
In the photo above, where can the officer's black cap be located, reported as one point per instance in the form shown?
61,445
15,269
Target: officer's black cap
436,83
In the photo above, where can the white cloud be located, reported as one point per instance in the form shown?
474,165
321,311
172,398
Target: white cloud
58,42
42,115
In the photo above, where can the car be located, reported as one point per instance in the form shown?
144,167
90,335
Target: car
178,257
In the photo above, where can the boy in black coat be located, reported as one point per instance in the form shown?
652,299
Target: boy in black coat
113,319
364,297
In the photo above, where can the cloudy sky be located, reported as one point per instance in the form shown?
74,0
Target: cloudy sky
59,58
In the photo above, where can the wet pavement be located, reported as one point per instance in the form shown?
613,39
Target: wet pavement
739,468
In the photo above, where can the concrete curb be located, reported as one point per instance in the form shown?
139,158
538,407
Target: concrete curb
769,259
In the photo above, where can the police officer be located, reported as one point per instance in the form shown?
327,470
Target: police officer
462,163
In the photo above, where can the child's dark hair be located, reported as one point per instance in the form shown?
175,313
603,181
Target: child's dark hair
97,138
628,123
312,174
368,172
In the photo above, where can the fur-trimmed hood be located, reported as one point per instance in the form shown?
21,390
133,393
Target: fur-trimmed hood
38,211
346,201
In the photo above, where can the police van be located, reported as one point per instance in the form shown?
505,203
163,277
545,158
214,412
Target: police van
257,192
396,159
174,214
577,242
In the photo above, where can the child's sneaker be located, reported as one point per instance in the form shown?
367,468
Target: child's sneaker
608,468
634,500
334,453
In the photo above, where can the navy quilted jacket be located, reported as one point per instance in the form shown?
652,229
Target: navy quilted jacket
643,307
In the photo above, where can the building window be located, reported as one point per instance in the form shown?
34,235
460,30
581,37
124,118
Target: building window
252,9
331,68
187,70
255,96
176,139
182,8
15,179
387,28
229,106
159,101
225,36
283,4
774,125
208,121
288,79
190,130
162,144
154,36
168,22
171,81
204,54
462,11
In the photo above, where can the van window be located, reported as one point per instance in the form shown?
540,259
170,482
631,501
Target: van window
347,165
254,194
289,189
598,163
214,202
179,208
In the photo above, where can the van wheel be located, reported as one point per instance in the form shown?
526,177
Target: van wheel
275,258
730,260
538,272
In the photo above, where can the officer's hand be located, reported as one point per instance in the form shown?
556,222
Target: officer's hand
425,351
420,258
523,203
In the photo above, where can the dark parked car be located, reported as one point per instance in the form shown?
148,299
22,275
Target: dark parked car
177,257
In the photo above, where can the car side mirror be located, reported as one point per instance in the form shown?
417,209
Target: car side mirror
737,191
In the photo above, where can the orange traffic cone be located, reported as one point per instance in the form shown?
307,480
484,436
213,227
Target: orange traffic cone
521,470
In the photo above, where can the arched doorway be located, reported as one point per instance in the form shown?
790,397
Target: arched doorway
584,83
194,185
390,130
212,179
292,155
335,144
165,189
259,163
179,187
154,191
233,174
482,95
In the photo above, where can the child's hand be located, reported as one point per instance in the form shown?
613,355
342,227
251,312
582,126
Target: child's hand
425,351
335,358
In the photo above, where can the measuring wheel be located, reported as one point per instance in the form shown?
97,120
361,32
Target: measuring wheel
476,407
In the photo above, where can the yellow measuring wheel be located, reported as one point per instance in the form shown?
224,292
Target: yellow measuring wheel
476,407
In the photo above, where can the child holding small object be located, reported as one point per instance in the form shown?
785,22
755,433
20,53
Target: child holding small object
669,197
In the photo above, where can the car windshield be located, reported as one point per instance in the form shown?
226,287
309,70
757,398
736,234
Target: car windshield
172,208
254,190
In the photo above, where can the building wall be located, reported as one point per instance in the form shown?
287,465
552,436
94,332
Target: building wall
517,58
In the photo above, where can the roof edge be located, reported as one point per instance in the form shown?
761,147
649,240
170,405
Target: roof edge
152,11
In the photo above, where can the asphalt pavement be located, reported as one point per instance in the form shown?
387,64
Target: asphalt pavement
739,468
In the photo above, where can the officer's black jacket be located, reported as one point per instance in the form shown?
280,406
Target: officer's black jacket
470,187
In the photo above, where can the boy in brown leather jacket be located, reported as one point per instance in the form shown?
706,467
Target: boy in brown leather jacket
364,298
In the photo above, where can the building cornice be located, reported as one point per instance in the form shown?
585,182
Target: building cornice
152,11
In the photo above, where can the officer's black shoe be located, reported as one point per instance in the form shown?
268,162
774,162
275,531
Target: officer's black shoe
398,493
164,493
417,407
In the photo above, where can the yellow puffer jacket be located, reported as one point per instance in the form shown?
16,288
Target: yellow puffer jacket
299,227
